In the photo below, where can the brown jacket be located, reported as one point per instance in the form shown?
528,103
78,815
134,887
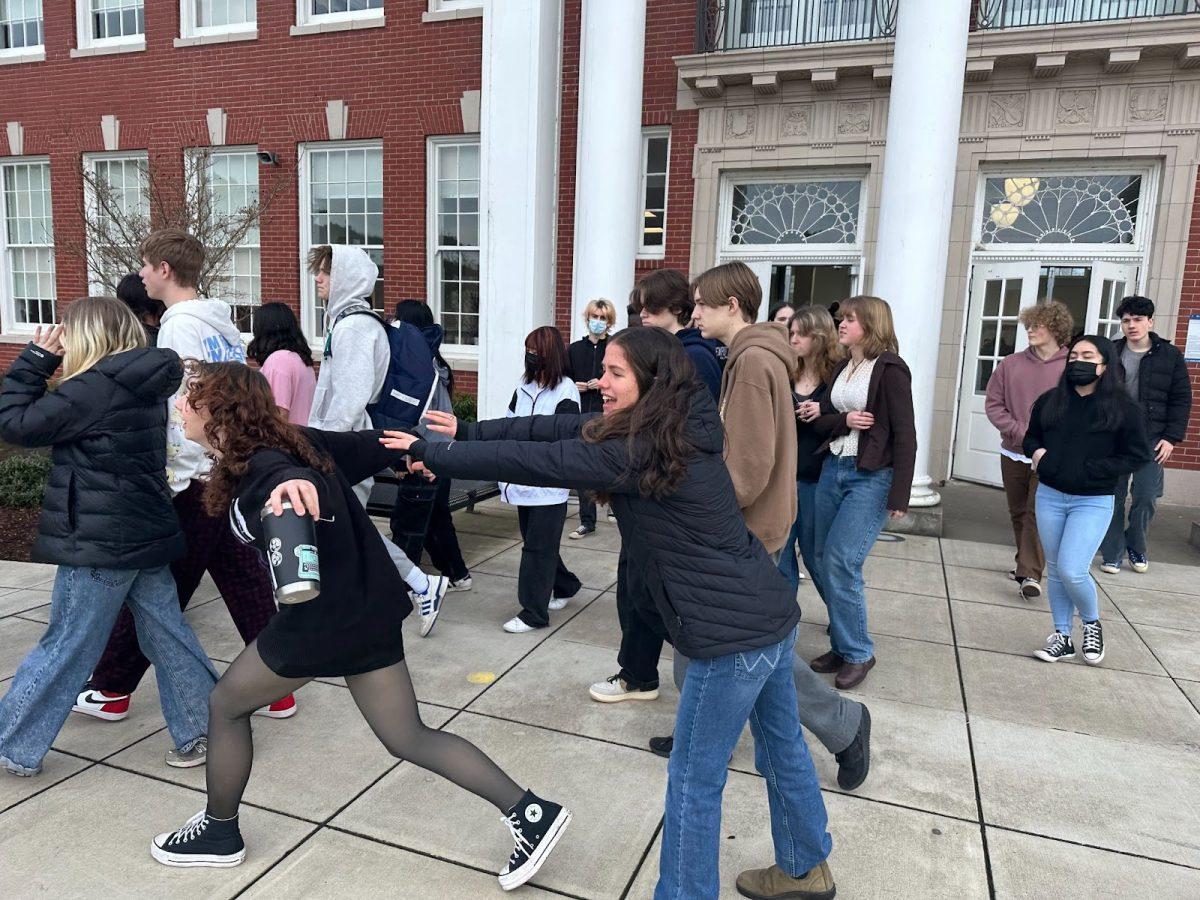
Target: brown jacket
760,430
892,440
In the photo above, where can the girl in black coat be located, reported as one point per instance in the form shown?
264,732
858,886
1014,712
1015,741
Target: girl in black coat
351,629
107,521
657,453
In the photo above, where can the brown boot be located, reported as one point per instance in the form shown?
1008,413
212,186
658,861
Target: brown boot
826,663
852,674
776,884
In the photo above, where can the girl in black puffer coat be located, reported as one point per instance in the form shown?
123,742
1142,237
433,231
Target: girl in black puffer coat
107,521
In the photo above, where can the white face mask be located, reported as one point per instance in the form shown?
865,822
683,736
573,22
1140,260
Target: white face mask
597,326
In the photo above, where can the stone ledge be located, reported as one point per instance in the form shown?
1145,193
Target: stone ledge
199,40
451,15
343,25
110,50
16,57
925,521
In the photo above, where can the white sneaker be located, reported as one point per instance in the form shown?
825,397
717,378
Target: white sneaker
616,689
429,603
98,704
516,625
463,584
557,603
1110,568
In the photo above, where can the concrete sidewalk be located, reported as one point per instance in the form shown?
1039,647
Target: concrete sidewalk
994,774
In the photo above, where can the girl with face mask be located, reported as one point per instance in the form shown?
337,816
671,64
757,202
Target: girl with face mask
1083,435
585,365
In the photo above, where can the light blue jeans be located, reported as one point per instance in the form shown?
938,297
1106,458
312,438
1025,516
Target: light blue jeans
719,696
1071,531
803,536
83,607
851,507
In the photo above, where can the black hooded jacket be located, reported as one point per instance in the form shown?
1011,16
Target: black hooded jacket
107,503
710,580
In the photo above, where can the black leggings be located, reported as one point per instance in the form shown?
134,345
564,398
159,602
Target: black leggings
386,699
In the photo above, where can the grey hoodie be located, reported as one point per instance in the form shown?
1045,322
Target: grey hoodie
204,330
357,353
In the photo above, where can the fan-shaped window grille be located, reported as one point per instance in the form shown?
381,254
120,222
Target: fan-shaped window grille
1061,209
795,212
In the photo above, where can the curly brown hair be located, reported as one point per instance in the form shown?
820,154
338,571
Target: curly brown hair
243,418
1054,315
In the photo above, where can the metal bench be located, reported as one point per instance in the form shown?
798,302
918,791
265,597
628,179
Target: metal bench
463,494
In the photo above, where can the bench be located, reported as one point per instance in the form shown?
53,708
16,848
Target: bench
463,494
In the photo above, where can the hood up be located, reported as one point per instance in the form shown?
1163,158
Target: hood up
352,278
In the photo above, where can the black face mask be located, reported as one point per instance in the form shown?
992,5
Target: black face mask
1080,373
533,361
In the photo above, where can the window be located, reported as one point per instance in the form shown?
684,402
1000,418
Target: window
453,228
20,26
315,12
26,244
1061,209
795,212
198,18
118,210
231,184
110,23
341,203
656,146
439,6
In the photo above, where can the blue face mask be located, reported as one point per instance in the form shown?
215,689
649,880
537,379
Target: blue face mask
597,326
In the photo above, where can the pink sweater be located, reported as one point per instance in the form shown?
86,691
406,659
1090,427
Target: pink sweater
1017,382
292,382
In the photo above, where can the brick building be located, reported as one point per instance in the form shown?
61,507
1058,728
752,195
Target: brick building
762,133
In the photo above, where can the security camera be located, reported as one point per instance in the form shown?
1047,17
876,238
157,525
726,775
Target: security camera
267,158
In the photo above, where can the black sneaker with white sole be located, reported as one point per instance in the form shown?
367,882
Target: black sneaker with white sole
202,841
1058,646
536,825
1031,588
1093,643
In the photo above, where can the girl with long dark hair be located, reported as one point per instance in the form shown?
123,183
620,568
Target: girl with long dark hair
703,580
1083,435
544,583
282,352
351,629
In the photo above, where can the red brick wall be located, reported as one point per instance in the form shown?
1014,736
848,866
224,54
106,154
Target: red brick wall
1187,454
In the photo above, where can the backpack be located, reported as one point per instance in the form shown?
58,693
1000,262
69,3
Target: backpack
411,379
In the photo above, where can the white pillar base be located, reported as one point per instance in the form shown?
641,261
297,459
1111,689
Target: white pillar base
923,495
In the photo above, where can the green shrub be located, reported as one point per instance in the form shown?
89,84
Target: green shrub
23,479
465,407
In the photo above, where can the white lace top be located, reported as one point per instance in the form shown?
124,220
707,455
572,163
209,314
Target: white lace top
849,394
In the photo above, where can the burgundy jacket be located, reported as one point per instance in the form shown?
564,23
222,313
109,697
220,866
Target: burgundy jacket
892,441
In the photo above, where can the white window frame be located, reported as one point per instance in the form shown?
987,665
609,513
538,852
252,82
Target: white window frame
313,329
189,27
86,41
32,53
445,6
89,200
651,251
8,308
432,247
308,22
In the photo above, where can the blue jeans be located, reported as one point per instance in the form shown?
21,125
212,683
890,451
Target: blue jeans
1147,487
83,607
1071,527
851,508
719,695
803,536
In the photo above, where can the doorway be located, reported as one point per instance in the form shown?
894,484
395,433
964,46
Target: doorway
800,284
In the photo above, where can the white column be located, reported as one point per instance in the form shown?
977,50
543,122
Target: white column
918,194
519,110
609,156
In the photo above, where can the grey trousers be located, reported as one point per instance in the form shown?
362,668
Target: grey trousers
832,717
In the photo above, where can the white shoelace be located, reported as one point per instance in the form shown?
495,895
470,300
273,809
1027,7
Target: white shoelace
1056,642
1091,638
514,828
191,828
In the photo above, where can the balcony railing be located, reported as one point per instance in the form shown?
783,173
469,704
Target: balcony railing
740,24
1019,13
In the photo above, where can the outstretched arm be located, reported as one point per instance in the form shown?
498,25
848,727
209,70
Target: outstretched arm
559,427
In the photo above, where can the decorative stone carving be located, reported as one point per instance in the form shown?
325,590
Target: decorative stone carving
740,122
216,122
797,120
1148,103
16,138
1076,107
854,117
1006,110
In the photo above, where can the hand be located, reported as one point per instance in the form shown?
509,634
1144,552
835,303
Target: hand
895,514
593,384
301,494
442,422
400,440
582,385
860,421
416,467
1162,451
50,340
1037,457
808,410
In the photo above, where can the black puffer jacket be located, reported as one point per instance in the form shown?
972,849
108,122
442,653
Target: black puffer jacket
709,578
1164,390
107,502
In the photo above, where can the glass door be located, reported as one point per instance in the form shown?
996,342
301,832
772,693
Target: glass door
1111,283
802,284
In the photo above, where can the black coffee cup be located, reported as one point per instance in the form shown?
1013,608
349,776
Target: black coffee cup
290,541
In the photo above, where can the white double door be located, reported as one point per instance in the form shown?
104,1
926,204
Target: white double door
999,291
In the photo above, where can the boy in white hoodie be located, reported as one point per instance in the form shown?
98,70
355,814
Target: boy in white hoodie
204,330
353,369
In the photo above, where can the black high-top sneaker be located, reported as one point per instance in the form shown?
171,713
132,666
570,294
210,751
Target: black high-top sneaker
1058,646
202,841
536,826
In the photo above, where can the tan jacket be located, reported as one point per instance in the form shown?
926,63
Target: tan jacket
760,430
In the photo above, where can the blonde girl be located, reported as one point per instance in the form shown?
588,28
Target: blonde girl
585,365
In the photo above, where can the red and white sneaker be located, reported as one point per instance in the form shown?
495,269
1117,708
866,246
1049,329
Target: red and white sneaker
102,705
280,709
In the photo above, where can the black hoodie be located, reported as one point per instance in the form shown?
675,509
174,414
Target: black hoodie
107,503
